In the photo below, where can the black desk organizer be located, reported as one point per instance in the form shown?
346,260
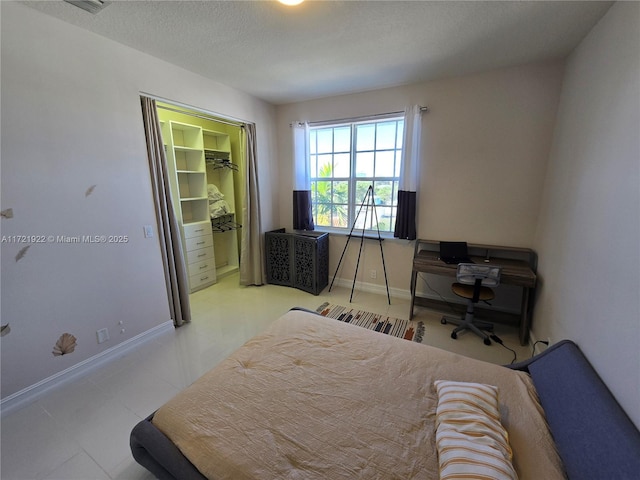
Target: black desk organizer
299,260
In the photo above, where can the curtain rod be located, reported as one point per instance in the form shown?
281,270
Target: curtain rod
363,118
202,116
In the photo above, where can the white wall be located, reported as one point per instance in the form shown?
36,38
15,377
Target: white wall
72,119
486,140
589,231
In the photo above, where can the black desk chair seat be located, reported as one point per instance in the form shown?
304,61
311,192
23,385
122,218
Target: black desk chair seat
474,282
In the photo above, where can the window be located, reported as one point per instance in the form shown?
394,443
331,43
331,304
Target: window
347,158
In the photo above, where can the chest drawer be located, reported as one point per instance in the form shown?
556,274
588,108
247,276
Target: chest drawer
200,255
197,229
200,280
201,267
195,243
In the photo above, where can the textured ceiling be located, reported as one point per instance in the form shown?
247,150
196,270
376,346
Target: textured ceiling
325,48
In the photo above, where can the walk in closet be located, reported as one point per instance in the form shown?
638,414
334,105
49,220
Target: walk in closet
205,159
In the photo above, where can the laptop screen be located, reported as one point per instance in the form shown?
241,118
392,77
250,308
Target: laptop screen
453,250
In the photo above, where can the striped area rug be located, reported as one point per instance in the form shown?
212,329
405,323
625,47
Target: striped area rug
409,330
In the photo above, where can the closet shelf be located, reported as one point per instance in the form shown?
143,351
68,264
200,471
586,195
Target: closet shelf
224,270
216,150
180,148
194,156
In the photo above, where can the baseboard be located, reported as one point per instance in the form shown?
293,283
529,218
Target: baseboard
373,288
32,393
405,294
533,340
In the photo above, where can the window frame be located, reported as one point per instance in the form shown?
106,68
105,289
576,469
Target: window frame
354,204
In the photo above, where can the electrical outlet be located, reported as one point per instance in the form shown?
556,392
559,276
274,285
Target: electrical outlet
374,274
103,335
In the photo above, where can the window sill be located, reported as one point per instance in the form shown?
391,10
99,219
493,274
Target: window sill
356,233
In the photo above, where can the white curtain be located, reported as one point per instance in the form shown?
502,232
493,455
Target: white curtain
411,152
175,270
252,269
409,175
301,174
302,210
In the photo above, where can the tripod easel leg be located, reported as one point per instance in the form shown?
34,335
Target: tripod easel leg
384,268
369,197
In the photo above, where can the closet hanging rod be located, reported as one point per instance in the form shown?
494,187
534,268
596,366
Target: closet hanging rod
358,119
217,164
204,117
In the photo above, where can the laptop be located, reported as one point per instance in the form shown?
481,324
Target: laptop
454,252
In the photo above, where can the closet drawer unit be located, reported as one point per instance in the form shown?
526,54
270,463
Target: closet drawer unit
203,279
200,255
197,229
194,243
201,267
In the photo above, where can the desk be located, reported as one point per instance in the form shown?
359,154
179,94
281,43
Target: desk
518,269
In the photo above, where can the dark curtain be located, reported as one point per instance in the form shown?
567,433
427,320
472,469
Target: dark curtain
406,217
409,176
302,212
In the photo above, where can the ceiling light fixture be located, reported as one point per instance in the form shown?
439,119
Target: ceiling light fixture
291,3
91,6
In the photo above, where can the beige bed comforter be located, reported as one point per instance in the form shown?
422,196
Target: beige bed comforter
314,398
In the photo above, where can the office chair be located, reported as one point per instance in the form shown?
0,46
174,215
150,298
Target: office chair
474,282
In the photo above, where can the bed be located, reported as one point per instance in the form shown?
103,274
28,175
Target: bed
314,398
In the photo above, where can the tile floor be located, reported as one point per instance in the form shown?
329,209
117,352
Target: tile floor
81,431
